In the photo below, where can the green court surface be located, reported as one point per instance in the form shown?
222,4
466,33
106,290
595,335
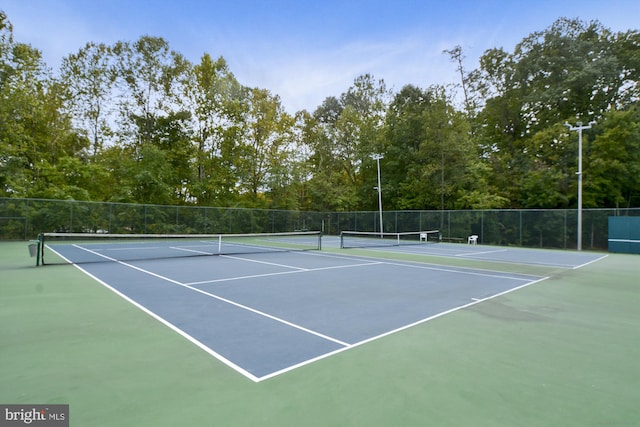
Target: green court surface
561,352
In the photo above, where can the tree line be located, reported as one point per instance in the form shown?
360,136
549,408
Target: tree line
138,122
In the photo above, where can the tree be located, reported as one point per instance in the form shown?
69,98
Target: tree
324,183
153,125
342,136
36,137
566,72
365,104
405,132
264,151
466,79
89,77
612,169
548,177
217,102
137,122
433,163
625,47
150,78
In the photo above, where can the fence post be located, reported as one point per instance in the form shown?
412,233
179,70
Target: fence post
520,227
26,221
70,215
564,232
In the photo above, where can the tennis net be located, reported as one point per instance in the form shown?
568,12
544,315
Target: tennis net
366,239
80,248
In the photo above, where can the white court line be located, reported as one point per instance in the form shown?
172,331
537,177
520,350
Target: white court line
418,264
346,346
573,267
191,250
165,322
251,276
482,253
235,257
463,271
402,328
590,262
448,253
264,262
129,265
254,276
225,300
267,315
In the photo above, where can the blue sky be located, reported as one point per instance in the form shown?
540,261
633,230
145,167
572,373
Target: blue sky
305,51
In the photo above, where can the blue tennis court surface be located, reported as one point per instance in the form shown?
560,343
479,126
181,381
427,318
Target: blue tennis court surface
265,314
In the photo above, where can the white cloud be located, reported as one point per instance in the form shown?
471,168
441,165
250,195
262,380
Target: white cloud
316,57
304,79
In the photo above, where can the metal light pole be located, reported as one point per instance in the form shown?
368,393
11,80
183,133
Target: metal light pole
579,127
377,158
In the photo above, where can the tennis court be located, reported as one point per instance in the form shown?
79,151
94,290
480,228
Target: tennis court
489,254
264,311
402,335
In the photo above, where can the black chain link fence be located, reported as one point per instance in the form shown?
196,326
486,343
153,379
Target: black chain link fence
24,219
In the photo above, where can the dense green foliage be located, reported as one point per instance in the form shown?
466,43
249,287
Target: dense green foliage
137,122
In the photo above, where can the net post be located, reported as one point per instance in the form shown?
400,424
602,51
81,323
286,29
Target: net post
219,243
39,253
